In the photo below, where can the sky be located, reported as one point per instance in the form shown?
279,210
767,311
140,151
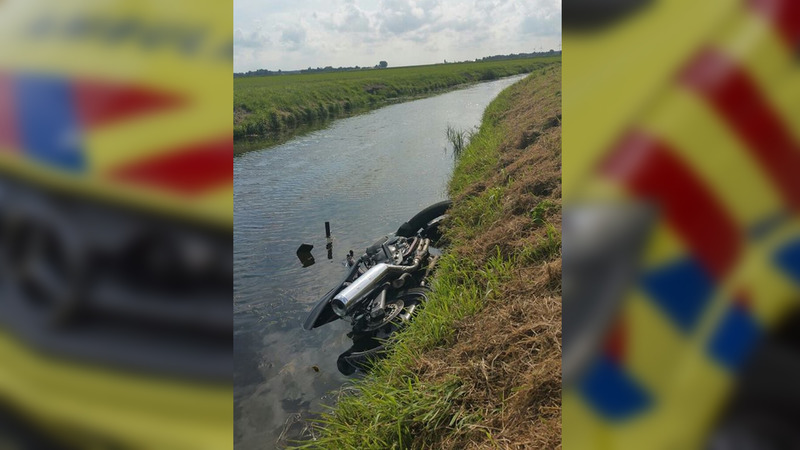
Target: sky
297,34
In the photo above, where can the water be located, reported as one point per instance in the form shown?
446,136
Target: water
365,175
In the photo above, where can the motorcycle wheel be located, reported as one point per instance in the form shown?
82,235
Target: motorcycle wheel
371,347
426,220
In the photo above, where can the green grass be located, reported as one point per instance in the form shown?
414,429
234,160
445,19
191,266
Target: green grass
269,106
478,163
546,249
479,212
540,211
392,407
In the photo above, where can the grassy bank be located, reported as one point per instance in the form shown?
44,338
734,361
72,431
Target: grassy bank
271,106
456,378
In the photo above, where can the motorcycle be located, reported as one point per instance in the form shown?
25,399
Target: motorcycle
383,287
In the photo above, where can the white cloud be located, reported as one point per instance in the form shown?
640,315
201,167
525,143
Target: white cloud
402,16
293,38
250,39
542,18
286,34
349,18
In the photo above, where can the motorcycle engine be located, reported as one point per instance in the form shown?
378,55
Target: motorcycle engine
389,249
378,311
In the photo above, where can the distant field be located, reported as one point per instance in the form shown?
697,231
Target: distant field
269,106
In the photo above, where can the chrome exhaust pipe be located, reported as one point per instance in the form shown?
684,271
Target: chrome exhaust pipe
373,278
344,301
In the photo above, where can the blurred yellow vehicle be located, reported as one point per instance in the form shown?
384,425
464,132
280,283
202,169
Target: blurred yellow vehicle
681,234
115,224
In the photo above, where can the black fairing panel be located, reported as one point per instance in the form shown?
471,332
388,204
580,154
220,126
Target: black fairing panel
323,312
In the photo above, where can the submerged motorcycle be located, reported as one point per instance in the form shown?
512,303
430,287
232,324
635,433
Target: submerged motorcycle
383,287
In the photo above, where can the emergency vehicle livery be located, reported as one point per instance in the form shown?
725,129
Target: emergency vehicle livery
682,244
116,223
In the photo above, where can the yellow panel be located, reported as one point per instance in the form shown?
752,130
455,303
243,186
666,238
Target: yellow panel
698,393
603,189
138,140
67,395
218,200
663,246
653,344
587,431
773,294
684,414
608,81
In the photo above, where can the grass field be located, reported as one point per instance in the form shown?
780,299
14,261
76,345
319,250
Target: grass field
271,106
480,367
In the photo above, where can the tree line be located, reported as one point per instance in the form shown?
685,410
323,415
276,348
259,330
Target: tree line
265,72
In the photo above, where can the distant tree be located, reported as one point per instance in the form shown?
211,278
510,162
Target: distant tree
383,64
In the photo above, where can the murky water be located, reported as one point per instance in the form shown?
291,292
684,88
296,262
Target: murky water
365,175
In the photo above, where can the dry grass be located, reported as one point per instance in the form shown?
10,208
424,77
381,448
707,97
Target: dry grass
509,356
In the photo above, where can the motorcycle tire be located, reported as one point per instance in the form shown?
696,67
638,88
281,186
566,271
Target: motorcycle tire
367,348
423,218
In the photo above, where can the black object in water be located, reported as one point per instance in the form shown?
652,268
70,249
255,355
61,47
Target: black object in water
304,254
